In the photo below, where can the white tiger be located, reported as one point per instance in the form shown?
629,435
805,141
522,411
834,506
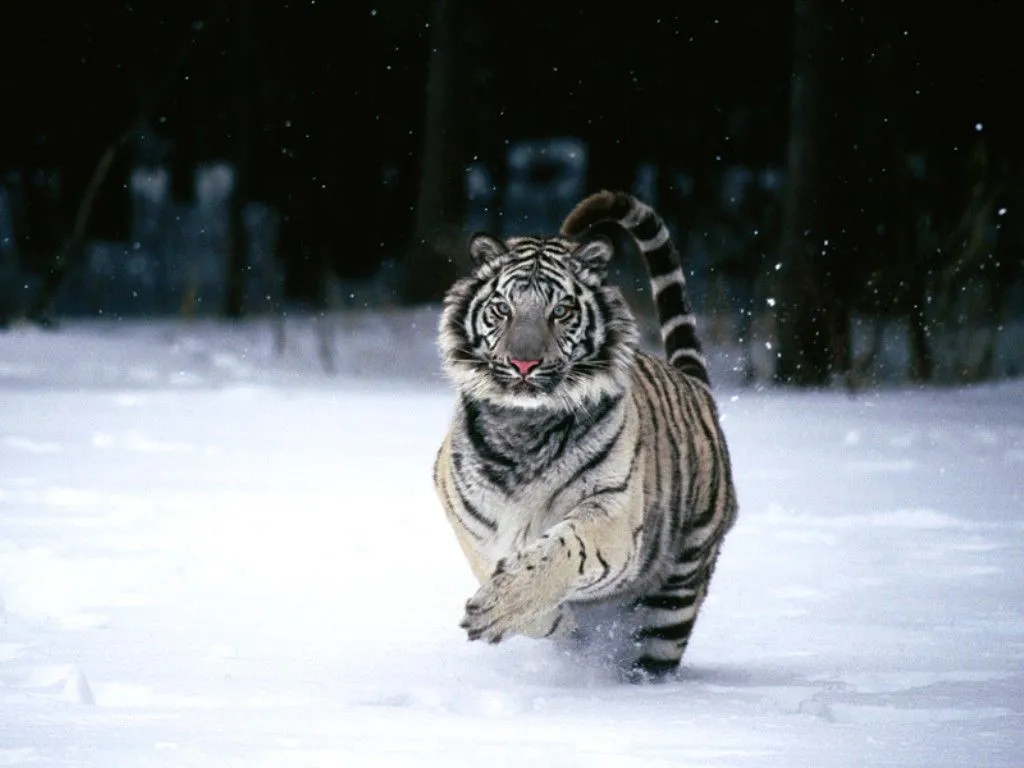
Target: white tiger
582,477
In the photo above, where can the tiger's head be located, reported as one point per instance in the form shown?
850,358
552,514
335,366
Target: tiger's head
536,325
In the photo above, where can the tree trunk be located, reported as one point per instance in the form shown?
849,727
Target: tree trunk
810,323
234,296
437,255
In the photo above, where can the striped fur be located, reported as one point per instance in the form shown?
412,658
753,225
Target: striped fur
668,285
588,483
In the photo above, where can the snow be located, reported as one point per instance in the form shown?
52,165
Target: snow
211,555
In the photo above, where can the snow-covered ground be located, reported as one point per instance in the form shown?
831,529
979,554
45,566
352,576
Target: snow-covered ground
212,556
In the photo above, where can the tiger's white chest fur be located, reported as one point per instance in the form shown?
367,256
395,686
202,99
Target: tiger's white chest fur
540,496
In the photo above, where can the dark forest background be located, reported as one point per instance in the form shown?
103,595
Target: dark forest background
833,166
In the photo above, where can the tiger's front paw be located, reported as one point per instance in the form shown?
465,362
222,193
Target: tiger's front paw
509,603
494,611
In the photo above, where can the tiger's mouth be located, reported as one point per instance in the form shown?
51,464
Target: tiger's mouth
523,387
540,382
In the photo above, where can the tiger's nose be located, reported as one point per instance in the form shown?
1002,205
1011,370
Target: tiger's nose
524,366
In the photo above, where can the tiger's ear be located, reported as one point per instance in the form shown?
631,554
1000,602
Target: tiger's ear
592,257
484,248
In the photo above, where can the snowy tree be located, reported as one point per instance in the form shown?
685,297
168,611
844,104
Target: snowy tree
441,199
809,321
234,296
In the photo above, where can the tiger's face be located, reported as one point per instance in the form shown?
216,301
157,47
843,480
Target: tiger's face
535,324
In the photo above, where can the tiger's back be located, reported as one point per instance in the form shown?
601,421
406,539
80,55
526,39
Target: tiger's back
579,472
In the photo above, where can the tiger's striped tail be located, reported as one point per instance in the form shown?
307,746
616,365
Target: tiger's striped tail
668,285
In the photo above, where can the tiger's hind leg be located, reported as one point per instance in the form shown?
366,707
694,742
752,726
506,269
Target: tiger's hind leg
666,619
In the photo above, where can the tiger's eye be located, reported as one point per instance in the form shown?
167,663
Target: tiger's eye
563,311
501,308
